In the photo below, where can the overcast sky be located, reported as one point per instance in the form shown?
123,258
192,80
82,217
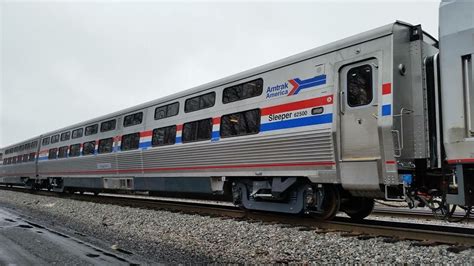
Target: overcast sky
65,62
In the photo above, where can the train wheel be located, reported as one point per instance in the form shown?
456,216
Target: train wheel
331,201
358,208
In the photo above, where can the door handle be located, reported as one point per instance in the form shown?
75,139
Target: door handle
341,102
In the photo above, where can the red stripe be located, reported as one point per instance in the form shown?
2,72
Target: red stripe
301,164
298,105
146,134
179,127
386,88
390,162
456,161
216,120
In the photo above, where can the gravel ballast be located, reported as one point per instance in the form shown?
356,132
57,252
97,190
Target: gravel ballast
161,236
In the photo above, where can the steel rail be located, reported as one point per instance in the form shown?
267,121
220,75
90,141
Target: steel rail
368,228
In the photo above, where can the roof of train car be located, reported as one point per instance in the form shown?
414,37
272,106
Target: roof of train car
315,52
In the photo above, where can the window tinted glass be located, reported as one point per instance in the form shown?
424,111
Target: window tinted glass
53,153
91,130
27,146
45,141
55,138
200,102
32,156
130,141
62,152
19,158
25,158
65,136
88,148
107,125
166,111
105,145
359,86
164,136
34,144
77,133
242,91
75,150
197,130
133,119
242,123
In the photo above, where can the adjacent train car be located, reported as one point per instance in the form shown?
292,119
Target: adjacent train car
323,131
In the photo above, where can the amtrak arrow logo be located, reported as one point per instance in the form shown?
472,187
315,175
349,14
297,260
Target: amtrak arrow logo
299,84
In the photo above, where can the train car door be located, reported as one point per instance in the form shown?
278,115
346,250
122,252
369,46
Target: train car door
358,112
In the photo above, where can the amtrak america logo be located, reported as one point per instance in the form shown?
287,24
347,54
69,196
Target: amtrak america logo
297,85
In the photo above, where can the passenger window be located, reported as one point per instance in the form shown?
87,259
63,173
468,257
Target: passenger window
55,138
200,102
164,136
34,144
243,91
53,153
88,148
167,111
130,142
133,119
107,125
197,130
45,141
32,156
359,86
25,158
91,130
65,136
105,145
77,133
242,123
62,152
75,150
14,160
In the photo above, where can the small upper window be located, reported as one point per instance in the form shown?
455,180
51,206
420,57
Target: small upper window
200,102
359,86
243,91
65,136
107,125
53,153
164,136
91,130
77,133
45,141
130,141
74,150
166,110
55,138
34,144
239,124
27,146
106,145
62,152
88,148
197,130
133,119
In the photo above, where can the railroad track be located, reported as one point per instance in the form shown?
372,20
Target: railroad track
393,231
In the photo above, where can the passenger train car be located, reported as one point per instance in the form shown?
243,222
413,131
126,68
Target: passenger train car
381,115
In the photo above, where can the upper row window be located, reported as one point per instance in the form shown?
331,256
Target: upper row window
166,110
200,102
77,133
91,130
45,141
243,91
55,138
133,119
66,136
108,125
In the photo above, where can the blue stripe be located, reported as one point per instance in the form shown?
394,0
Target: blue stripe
310,85
310,80
42,158
178,140
145,145
386,109
299,122
215,136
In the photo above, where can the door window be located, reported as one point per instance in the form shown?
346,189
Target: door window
359,86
